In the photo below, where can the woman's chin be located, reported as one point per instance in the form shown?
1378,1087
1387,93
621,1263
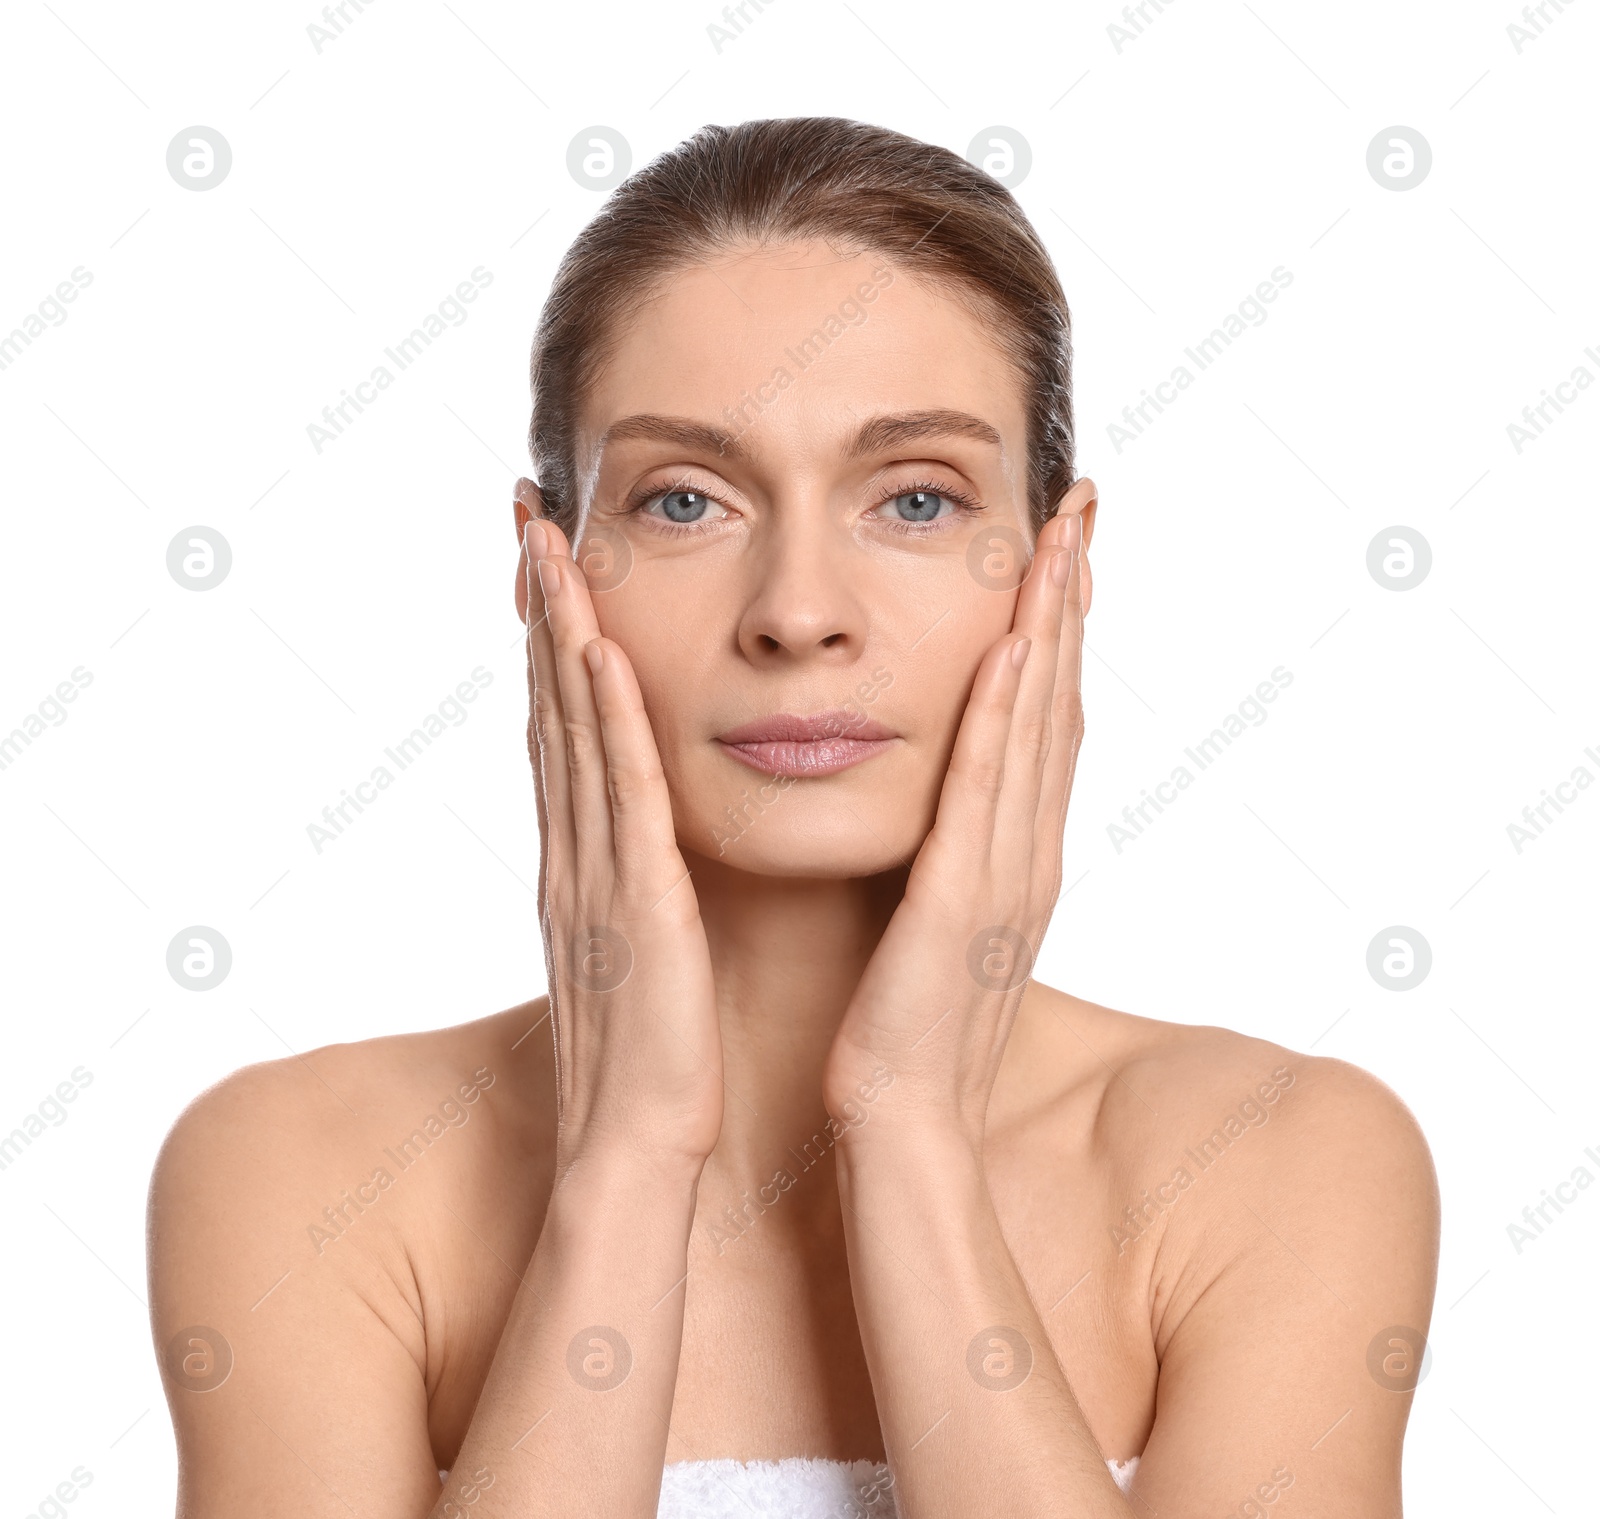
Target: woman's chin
808,839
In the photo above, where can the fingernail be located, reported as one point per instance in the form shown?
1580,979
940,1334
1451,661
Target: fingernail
1072,534
535,539
593,654
1019,652
549,577
1061,567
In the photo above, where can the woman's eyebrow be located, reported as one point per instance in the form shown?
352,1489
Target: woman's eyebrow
874,436
879,434
655,428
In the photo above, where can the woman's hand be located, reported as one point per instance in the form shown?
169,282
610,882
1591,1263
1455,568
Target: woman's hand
934,1007
976,1411
638,1048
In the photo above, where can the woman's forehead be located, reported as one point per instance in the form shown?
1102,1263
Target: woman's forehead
807,348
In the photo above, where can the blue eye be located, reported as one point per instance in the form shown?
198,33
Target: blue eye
917,506
683,506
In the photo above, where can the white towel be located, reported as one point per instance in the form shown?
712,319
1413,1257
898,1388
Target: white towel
794,1488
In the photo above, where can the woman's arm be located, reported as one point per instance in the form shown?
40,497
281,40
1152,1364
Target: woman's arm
976,1412
575,1412
326,1408
576,1408
1295,1305
977,1415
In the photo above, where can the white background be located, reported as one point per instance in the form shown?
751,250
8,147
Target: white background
1168,179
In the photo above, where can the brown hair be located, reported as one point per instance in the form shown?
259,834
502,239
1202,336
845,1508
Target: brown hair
922,208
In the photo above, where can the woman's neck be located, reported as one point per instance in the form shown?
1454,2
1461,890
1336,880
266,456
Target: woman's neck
786,954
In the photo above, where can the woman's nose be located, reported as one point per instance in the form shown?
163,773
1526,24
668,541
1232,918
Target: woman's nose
803,604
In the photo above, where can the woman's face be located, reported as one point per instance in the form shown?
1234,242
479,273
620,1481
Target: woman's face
804,482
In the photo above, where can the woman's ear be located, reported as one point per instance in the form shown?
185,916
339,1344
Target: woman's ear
1081,501
526,502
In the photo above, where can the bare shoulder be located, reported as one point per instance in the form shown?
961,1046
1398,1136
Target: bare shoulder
310,1118
1323,1126
272,1169
1147,1080
1210,1139
340,1198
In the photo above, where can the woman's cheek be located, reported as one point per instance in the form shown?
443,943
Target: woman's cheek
948,660
650,639
673,688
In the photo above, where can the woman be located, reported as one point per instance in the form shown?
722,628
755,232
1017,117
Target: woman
797,1184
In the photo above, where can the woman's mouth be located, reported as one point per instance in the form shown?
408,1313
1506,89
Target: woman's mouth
822,744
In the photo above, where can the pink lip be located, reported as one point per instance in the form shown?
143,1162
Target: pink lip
822,744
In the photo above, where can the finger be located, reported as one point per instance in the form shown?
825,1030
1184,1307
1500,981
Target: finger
571,625
964,824
1066,716
536,761
546,717
648,862
1040,606
527,503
